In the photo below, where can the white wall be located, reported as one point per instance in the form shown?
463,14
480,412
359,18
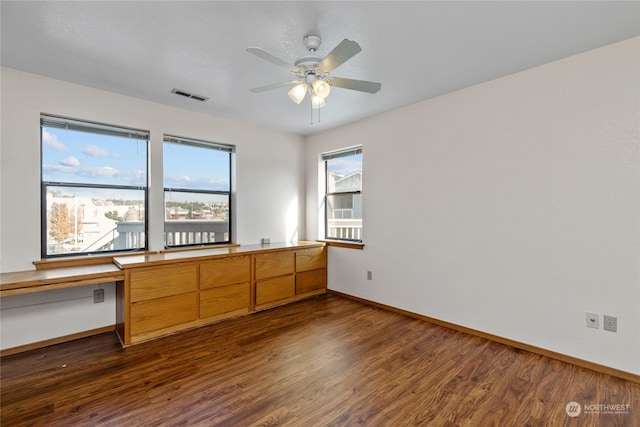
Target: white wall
269,186
511,207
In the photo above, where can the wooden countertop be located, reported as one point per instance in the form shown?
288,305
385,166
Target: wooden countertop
23,282
200,254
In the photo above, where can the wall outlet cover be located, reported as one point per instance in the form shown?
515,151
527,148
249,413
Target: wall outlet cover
593,320
610,323
98,295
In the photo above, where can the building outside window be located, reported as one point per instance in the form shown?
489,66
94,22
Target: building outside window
343,194
94,187
197,192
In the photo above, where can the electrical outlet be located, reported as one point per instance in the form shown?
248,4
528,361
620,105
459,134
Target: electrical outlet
593,321
369,275
265,240
610,323
98,295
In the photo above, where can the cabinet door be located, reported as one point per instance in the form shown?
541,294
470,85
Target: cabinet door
311,281
275,289
225,271
160,313
311,259
224,299
158,282
274,264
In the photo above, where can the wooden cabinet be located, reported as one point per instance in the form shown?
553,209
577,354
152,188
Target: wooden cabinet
311,259
274,274
225,300
274,264
273,290
151,283
311,270
166,293
161,313
225,271
225,286
310,281
161,298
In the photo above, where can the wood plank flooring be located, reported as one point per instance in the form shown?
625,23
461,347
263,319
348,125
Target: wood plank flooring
327,361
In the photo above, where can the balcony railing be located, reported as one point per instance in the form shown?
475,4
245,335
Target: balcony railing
349,229
130,234
194,232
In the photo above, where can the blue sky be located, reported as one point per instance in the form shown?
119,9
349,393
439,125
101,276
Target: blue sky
79,157
189,167
345,165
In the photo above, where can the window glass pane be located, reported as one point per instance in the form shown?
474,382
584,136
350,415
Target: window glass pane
70,156
190,167
344,216
81,219
343,198
94,185
344,173
195,218
197,183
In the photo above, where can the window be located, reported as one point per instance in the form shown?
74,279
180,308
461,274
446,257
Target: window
197,192
94,187
343,194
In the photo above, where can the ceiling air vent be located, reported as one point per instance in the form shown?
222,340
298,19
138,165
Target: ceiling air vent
190,95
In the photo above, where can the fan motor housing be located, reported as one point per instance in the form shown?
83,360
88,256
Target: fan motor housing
308,61
309,64
312,43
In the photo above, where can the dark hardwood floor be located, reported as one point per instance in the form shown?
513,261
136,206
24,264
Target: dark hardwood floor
327,361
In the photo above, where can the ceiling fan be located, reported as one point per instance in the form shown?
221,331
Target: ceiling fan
312,72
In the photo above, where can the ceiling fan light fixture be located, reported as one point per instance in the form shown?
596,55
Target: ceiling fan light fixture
313,74
298,93
321,88
317,101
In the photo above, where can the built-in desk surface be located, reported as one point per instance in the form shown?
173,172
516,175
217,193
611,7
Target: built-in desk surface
24,282
170,257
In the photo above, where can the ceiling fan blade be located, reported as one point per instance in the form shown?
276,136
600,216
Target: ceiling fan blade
275,86
272,58
361,85
339,55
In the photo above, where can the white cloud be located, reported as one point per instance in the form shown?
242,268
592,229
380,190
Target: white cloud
51,141
95,151
202,183
70,161
102,171
103,174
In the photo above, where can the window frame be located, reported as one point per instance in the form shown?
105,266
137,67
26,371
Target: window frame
86,126
198,143
325,157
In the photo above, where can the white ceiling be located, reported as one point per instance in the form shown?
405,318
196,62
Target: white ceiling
416,49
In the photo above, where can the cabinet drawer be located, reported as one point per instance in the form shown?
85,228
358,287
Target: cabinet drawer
311,281
147,316
275,289
311,259
274,264
158,282
223,299
226,271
